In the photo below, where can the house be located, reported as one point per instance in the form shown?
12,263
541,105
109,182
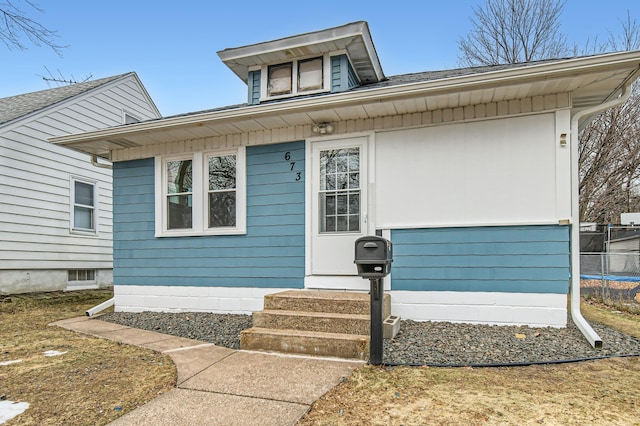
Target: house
470,173
56,207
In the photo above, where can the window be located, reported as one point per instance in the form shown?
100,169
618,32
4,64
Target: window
222,191
202,193
310,74
280,79
294,77
179,194
82,275
83,206
340,190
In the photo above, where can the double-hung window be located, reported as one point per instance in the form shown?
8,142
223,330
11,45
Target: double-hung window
83,206
202,193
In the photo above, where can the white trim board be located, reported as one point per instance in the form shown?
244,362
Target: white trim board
532,309
535,310
222,300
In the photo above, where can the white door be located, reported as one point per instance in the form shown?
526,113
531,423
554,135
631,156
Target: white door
338,213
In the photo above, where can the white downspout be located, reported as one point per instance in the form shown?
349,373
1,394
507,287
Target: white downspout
99,308
576,315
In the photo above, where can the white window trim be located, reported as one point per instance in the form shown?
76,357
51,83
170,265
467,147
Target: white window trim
326,78
72,206
200,194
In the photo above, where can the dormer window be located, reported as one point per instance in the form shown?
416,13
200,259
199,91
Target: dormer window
343,58
310,74
295,77
280,79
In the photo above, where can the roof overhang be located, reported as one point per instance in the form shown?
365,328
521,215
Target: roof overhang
354,38
590,81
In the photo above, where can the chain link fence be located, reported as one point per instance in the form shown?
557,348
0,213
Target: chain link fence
611,276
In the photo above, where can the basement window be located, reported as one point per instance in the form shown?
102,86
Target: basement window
82,275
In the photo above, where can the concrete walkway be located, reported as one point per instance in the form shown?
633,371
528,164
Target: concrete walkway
220,386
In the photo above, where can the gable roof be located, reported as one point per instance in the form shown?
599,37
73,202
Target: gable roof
15,107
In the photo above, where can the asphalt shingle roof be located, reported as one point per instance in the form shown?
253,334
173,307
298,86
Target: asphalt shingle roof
14,107
396,80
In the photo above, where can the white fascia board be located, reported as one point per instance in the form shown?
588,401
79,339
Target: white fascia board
568,68
317,37
239,59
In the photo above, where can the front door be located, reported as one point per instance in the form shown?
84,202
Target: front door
338,214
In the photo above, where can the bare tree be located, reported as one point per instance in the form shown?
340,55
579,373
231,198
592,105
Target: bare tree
513,31
609,154
17,26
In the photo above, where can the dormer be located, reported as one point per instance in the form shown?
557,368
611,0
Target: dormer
328,61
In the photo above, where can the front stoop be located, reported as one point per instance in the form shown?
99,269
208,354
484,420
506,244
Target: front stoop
321,323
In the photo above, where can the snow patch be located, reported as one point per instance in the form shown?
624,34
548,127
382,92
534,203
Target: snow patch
10,409
53,353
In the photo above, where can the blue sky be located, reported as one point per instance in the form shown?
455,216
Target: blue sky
172,45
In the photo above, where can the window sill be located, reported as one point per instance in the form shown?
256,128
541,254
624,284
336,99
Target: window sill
293,95
208,233
82,233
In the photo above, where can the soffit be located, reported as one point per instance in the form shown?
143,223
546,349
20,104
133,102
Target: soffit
590,82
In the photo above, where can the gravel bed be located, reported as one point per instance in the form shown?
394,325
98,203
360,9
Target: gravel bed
417,343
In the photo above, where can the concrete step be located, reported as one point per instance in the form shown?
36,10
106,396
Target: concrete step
350,346
313,321
337,302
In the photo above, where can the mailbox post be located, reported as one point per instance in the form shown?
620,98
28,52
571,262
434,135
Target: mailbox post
373,257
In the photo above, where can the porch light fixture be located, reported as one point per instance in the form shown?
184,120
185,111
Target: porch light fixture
322,128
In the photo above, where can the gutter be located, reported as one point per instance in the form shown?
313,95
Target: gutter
582,324
94,162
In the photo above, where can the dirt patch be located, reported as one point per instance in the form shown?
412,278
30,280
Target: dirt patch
87,381
610,284
595,392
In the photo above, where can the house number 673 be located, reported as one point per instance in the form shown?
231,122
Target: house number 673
292,164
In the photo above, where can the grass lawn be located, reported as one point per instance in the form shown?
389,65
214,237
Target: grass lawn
604,392
95,381
92,382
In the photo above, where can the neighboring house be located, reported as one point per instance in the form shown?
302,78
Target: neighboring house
471,173
55,205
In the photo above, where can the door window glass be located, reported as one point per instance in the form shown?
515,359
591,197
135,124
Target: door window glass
340,190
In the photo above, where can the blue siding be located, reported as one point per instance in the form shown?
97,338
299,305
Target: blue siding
271,254
253,85
516,259
352,78
342,75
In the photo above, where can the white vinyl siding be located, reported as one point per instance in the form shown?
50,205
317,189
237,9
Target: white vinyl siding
35,194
